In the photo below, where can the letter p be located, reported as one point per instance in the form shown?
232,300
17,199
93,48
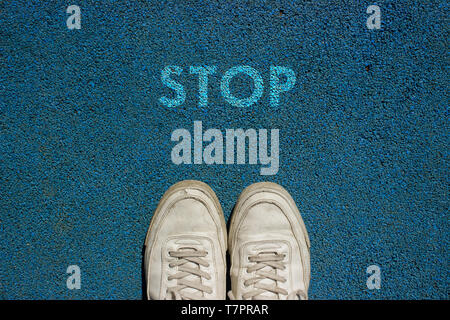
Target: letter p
276,86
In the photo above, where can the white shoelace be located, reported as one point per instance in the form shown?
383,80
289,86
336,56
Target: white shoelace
275,262
189,276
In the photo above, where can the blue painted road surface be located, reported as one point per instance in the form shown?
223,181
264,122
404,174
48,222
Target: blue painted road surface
86,148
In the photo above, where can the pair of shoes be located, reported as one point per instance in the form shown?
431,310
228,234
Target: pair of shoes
186,244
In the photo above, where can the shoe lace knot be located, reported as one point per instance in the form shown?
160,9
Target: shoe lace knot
188,263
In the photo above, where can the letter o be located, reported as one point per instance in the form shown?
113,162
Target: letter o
245,102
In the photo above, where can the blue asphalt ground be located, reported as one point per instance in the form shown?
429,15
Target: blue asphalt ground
85,143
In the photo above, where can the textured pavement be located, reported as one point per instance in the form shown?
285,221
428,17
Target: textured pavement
85,143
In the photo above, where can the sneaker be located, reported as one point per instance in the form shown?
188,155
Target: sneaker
186,245
268,245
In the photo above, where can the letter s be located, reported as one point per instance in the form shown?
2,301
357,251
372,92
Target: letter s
172,84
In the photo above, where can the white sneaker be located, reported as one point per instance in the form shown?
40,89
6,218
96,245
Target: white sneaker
269,246
186,245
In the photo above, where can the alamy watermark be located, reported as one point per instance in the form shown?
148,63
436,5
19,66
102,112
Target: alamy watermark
374,280
235,141
374,20
74,280
74,20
